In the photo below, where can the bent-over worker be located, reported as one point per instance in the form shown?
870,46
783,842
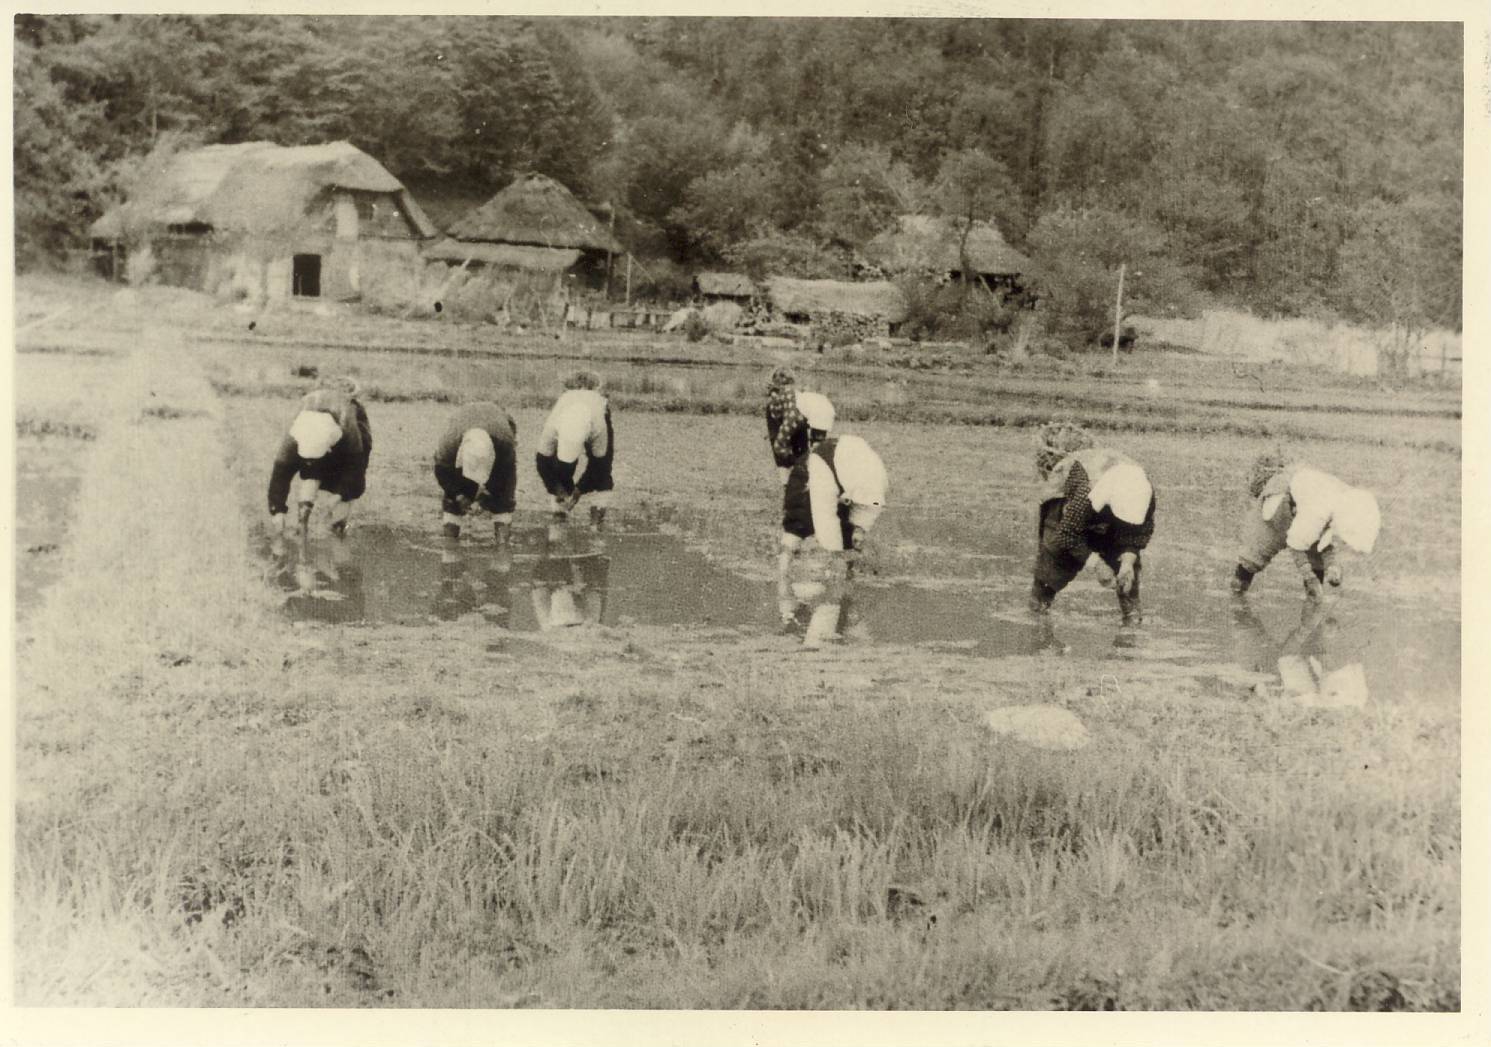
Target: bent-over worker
579,423
835,494
1303,509
476,462
328,447
1095,500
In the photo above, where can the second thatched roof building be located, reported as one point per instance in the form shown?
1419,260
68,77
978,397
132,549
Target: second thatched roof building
930,246
534,225
836,308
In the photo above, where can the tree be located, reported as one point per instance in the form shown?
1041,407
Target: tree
1401,266
1255,150
972,187
58,181
729,205
783,254
861,192
655,163
1077,255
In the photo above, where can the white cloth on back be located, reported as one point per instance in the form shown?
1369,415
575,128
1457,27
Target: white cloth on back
1358,520
817,410
861,474
1126,490
476,455
576,424
1324,506
315,433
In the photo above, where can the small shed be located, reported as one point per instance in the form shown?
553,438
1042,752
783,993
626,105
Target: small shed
929,246
725,287
261,219
835,307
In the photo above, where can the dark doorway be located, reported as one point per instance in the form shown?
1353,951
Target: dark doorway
306,276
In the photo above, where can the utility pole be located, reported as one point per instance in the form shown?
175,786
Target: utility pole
611,212
1118,311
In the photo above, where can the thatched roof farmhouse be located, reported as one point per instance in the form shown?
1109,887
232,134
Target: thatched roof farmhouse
264,219
925,245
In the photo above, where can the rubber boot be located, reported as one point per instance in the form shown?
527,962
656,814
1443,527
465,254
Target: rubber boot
1242,580
1041,596
1128,603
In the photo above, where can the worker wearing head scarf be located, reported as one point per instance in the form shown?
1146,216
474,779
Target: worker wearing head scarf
835,494
579,423
476,461
1303,509
786,428
327,447
1094,500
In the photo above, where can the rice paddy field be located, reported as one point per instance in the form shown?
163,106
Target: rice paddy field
381,774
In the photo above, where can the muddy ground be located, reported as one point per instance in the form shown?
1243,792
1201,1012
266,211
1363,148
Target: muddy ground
949,565
387,775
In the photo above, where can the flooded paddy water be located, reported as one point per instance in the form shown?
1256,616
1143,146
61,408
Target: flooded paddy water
962,594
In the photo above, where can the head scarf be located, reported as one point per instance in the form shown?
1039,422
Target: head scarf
583,380
781,394
1055,441
1265,467
344,384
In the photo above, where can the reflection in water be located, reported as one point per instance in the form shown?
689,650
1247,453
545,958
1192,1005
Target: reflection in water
822,613
822,610
474,579
1308,660
569,590
384,574
321,578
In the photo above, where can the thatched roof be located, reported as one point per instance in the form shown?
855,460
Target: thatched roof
880,299
725,285
505,256
539,211
922,243
256,187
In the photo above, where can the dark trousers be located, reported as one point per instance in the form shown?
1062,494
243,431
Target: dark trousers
1056,567
454,486
559,477
342,472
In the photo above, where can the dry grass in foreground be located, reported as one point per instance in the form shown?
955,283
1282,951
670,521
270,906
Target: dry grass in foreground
217,808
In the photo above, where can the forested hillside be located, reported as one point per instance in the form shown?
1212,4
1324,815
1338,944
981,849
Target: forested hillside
1288,167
